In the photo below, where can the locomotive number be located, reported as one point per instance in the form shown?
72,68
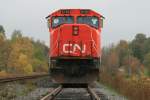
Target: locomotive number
73,48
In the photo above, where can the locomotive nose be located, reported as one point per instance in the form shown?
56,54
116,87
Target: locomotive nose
76,40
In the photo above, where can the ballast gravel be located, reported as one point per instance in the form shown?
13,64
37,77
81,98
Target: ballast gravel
34,95
17,91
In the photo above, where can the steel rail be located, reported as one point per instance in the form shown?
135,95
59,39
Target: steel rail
53,94
11,79
94,96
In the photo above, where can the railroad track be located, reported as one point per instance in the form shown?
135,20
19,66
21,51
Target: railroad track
87,94
11,79
52,94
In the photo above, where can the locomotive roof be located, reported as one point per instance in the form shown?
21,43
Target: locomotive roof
81,12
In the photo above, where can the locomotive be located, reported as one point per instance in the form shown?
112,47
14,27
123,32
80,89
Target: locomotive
75,45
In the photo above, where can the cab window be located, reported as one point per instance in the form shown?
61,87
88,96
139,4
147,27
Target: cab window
89,20
59,20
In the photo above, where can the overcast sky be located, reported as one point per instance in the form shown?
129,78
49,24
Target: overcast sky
124,18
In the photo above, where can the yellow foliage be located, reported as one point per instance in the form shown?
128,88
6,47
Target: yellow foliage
45,67
23,60
40,66
21,53
28,69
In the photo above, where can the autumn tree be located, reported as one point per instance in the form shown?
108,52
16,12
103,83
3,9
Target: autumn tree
134,65
4,55
24,64
110,59
113,62
4,49
105,54
21,53
123,50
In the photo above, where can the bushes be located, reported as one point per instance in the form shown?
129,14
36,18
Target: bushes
133,88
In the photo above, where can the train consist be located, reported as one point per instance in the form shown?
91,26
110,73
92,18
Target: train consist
75,45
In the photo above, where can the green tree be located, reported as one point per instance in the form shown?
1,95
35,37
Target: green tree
147,62
2,31
137,46
147,45
40,56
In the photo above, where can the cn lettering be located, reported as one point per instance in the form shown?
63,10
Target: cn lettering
73,48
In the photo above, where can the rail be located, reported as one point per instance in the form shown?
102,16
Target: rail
52,95
11,79
93,94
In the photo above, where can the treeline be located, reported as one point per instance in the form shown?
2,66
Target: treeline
21,54
126,67
132,58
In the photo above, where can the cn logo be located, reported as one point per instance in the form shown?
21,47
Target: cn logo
73,48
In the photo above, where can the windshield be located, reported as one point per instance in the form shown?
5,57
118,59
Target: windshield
57,21
90,20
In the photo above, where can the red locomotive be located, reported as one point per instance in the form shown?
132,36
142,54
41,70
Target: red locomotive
75,45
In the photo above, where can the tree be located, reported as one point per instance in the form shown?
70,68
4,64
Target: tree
113,62
132,65
21,53
137,46
123,50
2,31
40,56
4,54
147,62
2,34
24,65
28,69
16,35
4,49
147,46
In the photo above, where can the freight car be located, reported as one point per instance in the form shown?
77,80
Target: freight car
75,45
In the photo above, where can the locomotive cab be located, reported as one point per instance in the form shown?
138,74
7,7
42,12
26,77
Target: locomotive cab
75,45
